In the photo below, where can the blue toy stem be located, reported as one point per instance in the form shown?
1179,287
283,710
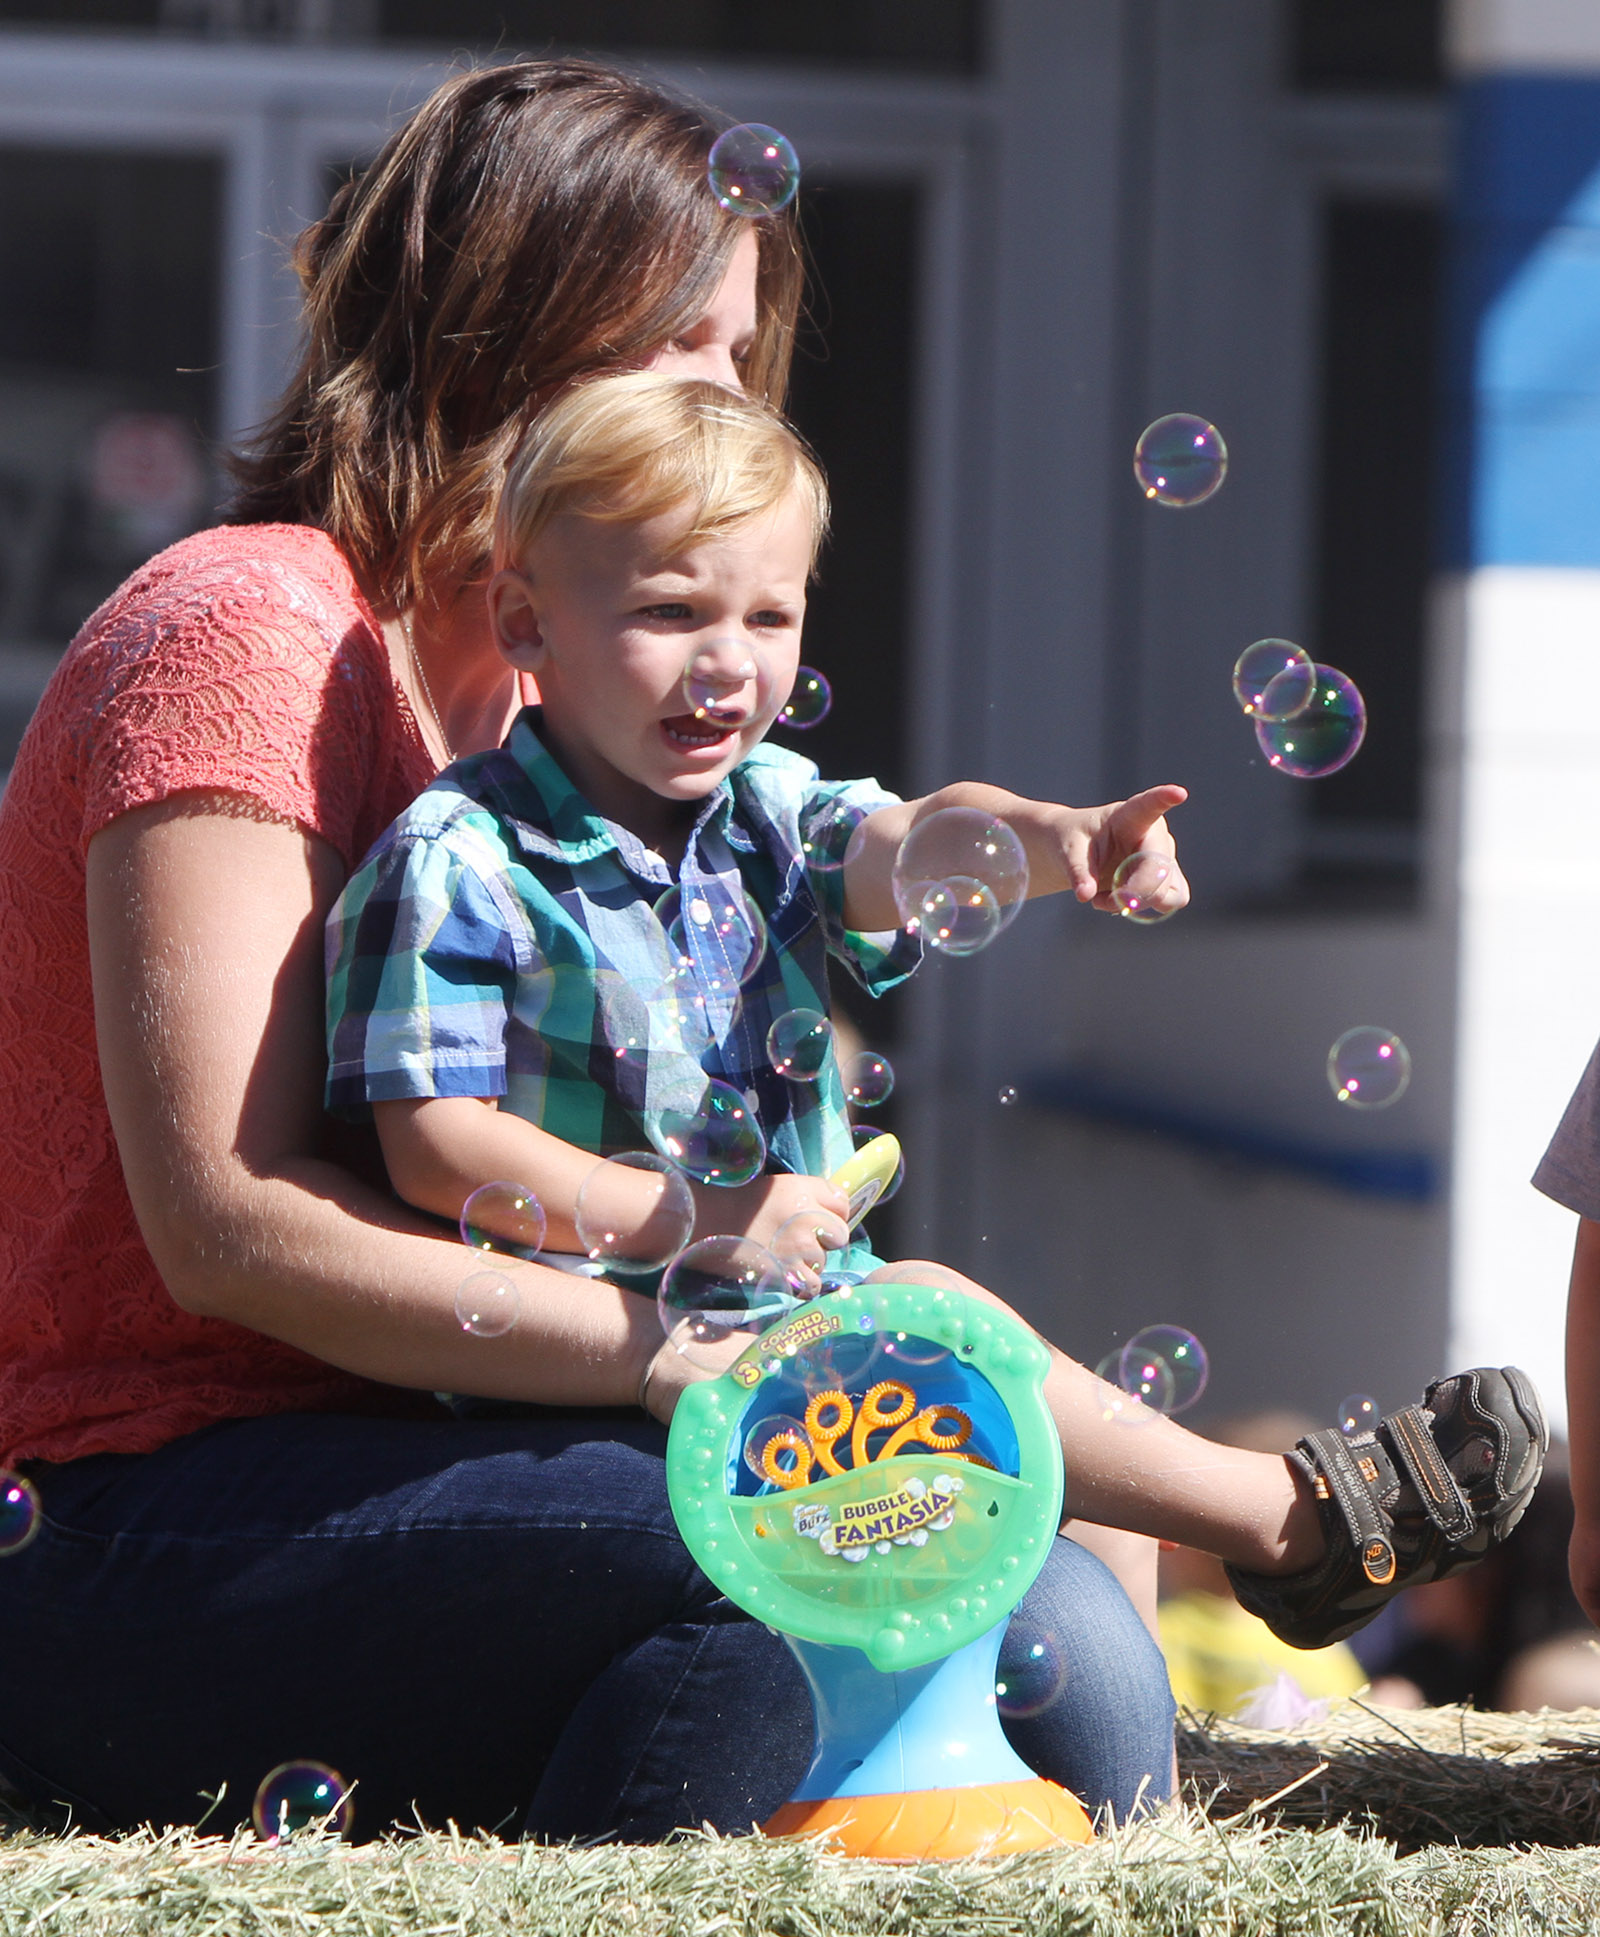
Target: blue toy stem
883,1733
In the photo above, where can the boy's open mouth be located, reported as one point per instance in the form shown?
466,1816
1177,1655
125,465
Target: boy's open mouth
691,735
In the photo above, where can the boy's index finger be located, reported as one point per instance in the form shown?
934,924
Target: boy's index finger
1140,812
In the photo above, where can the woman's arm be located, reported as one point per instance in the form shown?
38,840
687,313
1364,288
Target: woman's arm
205,936
1076,848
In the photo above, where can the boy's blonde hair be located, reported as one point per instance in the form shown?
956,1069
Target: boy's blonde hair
626,447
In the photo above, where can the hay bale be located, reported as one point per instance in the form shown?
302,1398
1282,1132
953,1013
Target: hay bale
1415,1776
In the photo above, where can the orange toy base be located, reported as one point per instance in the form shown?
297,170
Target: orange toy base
992,1819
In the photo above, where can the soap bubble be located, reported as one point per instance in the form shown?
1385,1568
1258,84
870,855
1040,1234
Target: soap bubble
865,1133
488,1304
714,1138
826,834
1325,735
1369,1068
715,679
1031,1673
717,929
685,1020
776,1425
1282,667
868,1080
1117,1404
21,1516
810,700
959,878
799,1044
297,1794
1166,1359
1138,888
503,1217
1180,460
1357,1414
606,1213
718,1288
753,170
1008,1094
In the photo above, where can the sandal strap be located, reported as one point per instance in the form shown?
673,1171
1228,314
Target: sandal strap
1411,1436
1350,1490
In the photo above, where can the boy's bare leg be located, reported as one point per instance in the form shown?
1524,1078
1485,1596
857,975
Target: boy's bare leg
1153,1477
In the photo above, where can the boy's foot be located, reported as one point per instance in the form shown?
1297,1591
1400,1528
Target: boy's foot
1420,1497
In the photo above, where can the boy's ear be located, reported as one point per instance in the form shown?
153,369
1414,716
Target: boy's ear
515,621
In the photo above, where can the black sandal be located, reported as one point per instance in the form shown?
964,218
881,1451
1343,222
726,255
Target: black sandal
1422,1496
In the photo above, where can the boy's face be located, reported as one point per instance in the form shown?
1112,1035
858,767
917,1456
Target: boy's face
607,618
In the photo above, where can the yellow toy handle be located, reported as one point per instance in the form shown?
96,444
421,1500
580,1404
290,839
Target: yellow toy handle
867,1175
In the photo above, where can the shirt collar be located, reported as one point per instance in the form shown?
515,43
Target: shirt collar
524,784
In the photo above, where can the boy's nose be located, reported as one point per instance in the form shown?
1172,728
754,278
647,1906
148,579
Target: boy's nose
716,671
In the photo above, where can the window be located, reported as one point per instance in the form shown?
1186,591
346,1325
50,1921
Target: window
1365,45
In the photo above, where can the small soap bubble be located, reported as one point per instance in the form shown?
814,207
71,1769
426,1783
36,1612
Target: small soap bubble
753,170
1139,889
1326,733
864,1133
826,833
20,1513
296,1795
959,916
488,1304
724,683
1008,1094
799,1044
959,878
1031,1673
716,1140
1117,1404
1282,667
607,1218
810,700
1173,1359
1368,1068
503,1217
716,928
717,1288
1180,460
1357,1414
868,1080
776,1425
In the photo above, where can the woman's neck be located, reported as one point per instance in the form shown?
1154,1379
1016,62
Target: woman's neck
462,692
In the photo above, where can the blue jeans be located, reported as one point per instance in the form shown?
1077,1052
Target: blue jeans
486,1620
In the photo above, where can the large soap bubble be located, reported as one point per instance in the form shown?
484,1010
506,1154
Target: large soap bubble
1274,679
713,1137
1323,736
753,170
718,1288
1180,460
718,931
960,877
503,1217
606,1215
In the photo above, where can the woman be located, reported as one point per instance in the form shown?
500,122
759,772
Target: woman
262,1540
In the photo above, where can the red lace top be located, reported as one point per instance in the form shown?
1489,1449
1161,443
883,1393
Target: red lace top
241,659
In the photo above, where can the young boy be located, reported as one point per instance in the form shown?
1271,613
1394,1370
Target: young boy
503,1000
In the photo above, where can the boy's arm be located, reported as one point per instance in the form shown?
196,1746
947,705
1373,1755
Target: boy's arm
1076,848
1583,1414
439,1149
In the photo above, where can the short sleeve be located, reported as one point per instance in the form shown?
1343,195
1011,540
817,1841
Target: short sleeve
423,961
1569,1171
830,813
241,661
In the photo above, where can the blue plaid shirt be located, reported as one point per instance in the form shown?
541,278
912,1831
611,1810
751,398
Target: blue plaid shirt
501,940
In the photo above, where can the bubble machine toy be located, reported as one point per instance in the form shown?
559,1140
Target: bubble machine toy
878,1480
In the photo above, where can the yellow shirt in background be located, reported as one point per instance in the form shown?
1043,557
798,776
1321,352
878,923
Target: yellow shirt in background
1217,1654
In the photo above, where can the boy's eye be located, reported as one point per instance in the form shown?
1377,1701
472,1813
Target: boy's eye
668,609
769,621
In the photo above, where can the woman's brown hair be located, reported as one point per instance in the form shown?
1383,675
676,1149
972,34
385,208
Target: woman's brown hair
530,224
